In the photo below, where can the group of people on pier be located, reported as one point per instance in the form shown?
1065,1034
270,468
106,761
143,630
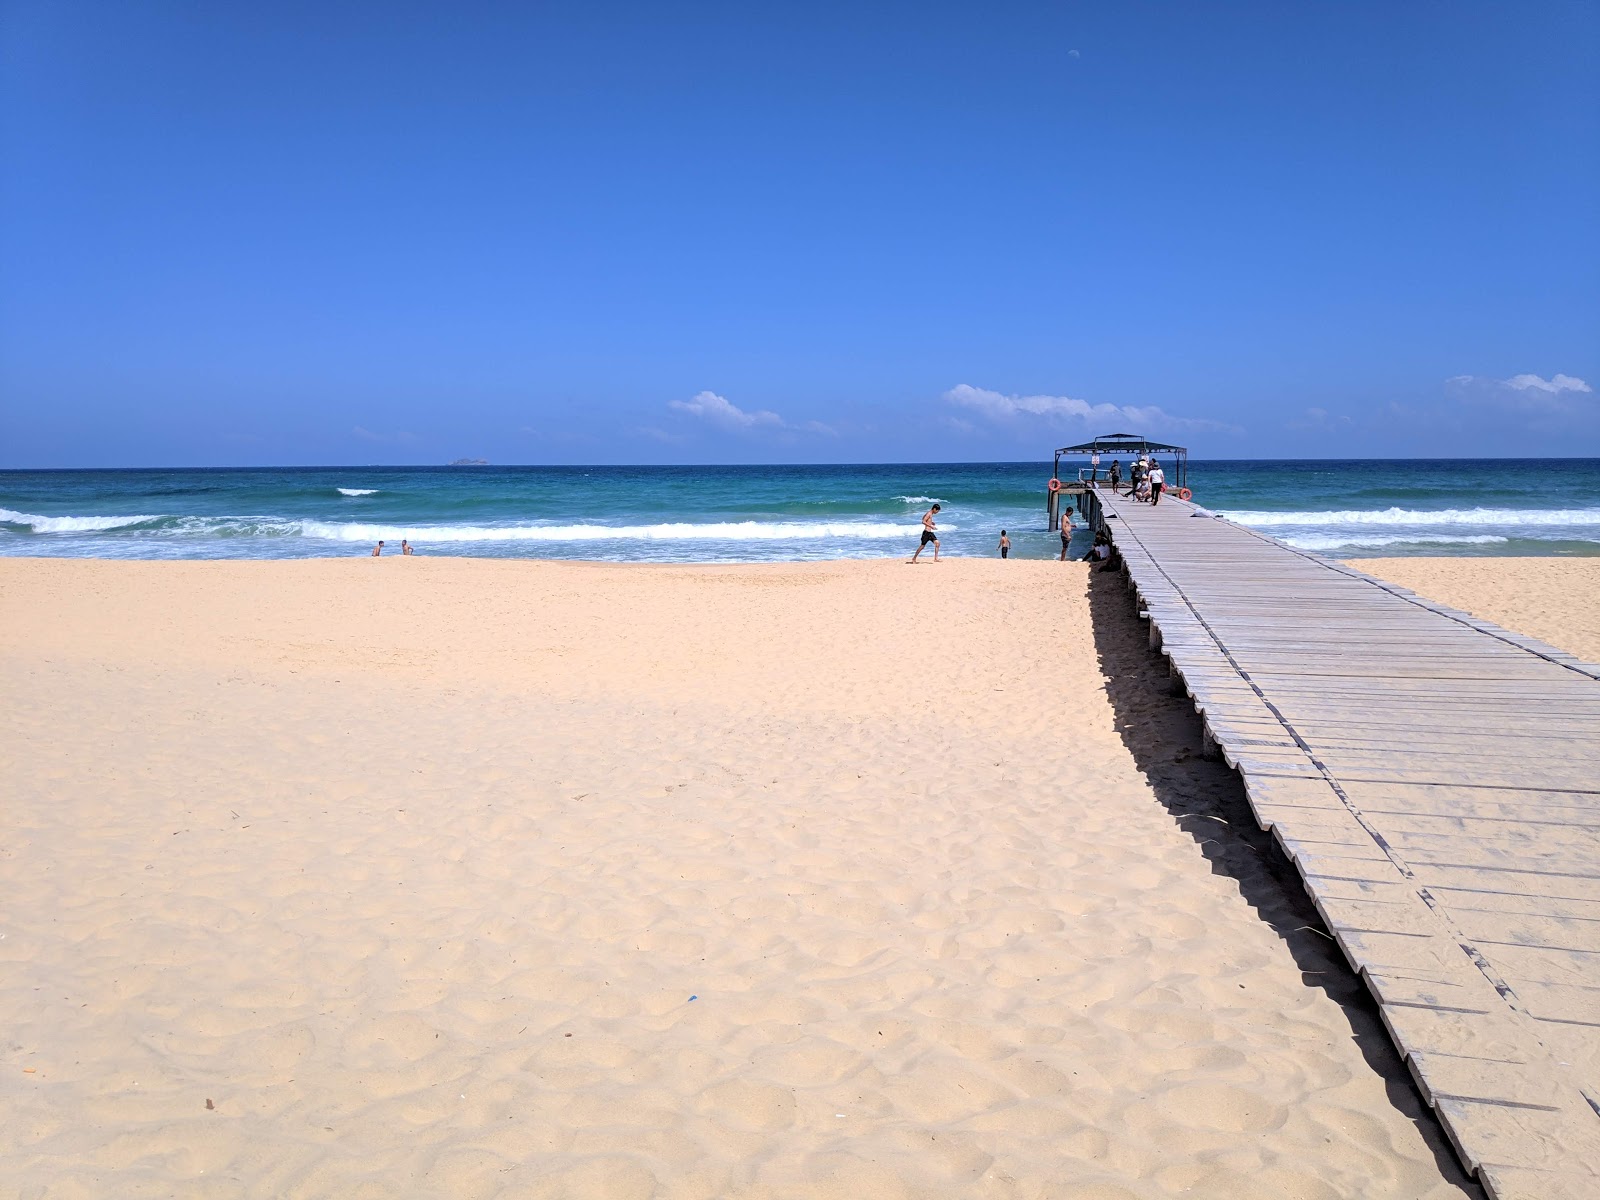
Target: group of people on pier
1146,479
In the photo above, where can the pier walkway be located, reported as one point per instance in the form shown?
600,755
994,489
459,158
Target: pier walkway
1436,781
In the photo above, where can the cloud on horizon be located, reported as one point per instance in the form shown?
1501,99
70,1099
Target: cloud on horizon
1560,405
723,413
1532,394
1556,383
999,407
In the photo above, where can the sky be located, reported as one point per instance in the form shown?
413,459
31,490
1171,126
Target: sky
287,233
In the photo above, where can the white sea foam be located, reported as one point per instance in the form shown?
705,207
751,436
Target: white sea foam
919,499
1508,517
1360,541
358,491
38,524
726,531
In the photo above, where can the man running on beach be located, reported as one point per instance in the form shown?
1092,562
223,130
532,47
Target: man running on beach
929,526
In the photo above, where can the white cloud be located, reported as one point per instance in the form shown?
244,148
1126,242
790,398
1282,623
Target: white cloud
1560,397
1126,419
709,406
720,411
1556,383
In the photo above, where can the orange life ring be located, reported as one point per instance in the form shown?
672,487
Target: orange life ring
1184,493
1055,485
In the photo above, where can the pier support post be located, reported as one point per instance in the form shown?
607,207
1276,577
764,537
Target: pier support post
1208,744
1155,636
1175,683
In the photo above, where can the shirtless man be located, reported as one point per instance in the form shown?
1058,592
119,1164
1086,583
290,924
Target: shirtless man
1066,532
405,546
929,534
377,551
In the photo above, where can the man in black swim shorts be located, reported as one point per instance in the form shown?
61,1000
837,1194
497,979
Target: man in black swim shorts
1066,532
929,526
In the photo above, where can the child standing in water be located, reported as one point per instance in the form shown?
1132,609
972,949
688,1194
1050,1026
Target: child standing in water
1005,544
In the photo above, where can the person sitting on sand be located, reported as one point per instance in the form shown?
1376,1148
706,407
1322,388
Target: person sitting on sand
1066,532
929,534
377,551
1005,545
405,546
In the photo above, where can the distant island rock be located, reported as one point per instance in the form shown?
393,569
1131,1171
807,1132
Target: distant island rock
468,462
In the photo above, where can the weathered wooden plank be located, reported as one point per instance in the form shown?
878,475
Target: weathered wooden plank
1436,781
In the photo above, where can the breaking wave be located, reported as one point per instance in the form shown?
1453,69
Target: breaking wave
1509,517
37,524
725,531
357,491
1361,541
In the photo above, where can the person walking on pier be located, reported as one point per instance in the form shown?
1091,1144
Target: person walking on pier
1158,480
1116,475
929,534
1066,532
1135,478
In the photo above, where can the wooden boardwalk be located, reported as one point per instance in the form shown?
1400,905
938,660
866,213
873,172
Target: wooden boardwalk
1436,782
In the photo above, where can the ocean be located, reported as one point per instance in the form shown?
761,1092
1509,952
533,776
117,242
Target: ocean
765,513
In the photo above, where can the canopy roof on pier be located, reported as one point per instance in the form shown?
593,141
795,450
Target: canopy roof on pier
1122,443
1132,445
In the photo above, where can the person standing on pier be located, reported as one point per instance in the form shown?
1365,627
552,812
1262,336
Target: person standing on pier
1116,474
930,533
1158,480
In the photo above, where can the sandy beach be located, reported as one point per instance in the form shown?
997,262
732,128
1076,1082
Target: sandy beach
1554,599
457,878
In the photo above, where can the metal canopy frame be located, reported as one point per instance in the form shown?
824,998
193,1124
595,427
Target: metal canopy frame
1132,445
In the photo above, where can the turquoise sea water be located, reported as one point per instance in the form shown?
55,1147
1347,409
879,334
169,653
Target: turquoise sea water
688,514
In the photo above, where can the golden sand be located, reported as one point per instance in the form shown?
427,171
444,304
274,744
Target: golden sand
456,878
1554,599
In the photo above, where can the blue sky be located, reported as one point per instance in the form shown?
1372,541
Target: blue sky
349,233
